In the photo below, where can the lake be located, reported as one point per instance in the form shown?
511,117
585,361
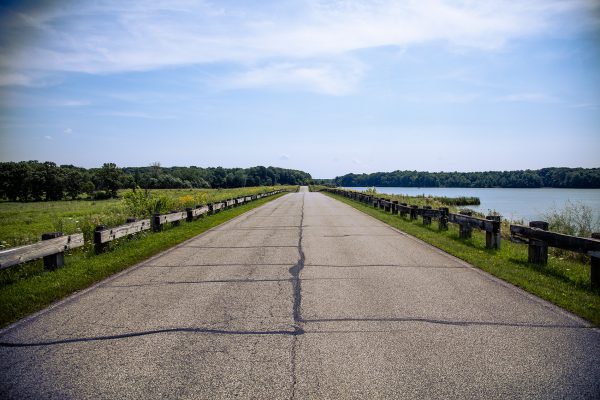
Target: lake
514,204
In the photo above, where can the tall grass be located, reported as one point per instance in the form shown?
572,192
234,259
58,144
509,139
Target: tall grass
24,223
576,219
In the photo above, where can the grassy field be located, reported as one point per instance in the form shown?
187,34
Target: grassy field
28,287
24,223
564,281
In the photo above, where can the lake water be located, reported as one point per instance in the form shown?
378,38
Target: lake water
526,204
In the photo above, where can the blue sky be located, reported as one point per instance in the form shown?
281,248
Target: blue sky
328,87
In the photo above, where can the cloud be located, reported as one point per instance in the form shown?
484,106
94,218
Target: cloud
284,157
73,103
15,79
141,36
322,78
527,98
47,137
68,131
279,43
134,114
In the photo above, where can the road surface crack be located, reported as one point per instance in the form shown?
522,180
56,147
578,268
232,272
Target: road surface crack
297,305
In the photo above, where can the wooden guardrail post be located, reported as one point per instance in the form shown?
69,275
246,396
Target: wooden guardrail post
99,247
595,269
426,218
443,221
413,212
492,239
156,226
395,207
211,209
403,211
465,231
538,249
387,205
190,214
55,260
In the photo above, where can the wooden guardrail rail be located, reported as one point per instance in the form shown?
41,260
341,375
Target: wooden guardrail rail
51,248
54,244
540,238
103,235
465,221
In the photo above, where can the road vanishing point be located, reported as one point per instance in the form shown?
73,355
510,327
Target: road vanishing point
302,298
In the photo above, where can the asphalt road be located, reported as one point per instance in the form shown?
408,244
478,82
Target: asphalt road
304,297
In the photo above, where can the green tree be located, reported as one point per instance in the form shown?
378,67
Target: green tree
109,178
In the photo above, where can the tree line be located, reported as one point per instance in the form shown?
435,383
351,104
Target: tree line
36,181
546,177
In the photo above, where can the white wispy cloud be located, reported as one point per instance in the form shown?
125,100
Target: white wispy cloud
527,98
72,103
135,114
324,78
280,43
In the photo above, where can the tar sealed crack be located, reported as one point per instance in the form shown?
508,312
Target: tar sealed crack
297,305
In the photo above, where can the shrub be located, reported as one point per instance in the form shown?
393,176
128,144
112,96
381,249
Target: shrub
576,219
102,195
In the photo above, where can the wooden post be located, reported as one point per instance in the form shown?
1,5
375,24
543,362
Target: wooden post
465,231
190,216
538,250
426,218
403,210
156,226
492,239
413,212
388,206
595,267
98,246
443,221
55,260
395,207
211,209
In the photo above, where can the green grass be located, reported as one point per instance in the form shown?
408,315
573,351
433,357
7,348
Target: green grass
27,288
564,282
24,223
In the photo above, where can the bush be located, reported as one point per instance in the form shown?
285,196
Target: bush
576,219
102,195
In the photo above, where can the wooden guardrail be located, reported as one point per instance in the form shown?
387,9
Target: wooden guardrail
54,244
466,222
51,248
103,235
540,238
